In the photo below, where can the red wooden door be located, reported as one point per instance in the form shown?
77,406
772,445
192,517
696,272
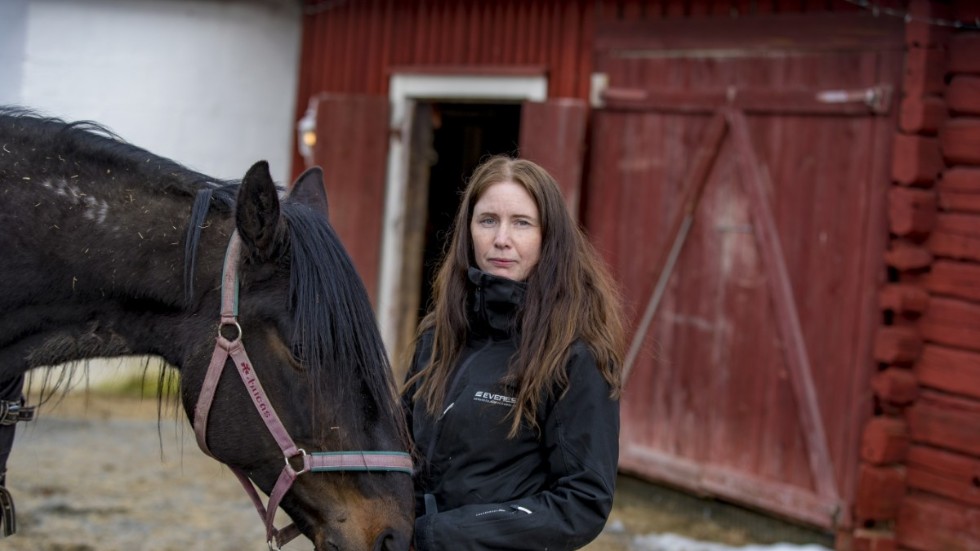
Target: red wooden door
352,148
553,135
737,189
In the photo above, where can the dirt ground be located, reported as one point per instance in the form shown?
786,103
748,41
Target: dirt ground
101,473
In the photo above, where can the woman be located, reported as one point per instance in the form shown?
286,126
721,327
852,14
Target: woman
513,391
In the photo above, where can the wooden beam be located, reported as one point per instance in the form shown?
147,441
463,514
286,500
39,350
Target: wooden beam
752,35
842,102
755,183
693,186
885,440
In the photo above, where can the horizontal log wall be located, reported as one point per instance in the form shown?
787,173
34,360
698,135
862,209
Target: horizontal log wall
919,485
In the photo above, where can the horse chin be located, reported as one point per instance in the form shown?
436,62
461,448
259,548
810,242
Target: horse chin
386,541
334,538
355,523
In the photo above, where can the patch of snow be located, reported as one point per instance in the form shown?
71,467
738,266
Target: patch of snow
673,542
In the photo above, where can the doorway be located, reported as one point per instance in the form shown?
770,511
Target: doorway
463,135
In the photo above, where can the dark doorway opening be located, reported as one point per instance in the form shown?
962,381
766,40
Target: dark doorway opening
463,135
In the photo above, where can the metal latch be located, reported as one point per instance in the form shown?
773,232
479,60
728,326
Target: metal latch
877,98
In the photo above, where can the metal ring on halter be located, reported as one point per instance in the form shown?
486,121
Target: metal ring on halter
306,468
237,328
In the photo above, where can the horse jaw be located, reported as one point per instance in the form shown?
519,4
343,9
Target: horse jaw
354,521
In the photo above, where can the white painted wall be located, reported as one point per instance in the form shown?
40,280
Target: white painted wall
209,83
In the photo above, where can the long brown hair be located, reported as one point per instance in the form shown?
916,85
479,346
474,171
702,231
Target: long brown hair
570,296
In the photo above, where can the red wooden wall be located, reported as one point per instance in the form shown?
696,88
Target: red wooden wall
769,306
914,484
919,483
354,46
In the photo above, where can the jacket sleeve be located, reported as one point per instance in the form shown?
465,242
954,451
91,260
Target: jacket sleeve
580,439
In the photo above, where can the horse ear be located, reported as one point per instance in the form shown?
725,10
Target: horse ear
257,211
309,190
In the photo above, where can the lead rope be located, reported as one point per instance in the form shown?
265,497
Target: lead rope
316,462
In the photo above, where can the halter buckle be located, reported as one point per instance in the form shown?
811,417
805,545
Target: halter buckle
238,329
306,465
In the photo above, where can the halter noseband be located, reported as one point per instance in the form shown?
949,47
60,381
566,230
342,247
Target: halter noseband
311,462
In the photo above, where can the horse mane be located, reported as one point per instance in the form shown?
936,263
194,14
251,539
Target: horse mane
334,321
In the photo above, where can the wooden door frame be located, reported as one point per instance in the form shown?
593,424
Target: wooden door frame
446,84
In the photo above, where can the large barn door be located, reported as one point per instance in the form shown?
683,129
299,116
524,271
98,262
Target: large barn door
737,189
553,135
352,148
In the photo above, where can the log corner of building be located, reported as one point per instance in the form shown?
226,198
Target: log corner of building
917,486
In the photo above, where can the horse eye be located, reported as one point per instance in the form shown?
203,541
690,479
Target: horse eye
297,351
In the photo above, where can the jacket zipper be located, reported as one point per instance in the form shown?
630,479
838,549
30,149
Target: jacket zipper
452,387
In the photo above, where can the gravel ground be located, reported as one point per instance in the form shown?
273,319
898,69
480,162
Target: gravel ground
98,473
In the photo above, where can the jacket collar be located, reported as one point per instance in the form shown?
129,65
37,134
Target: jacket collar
495,302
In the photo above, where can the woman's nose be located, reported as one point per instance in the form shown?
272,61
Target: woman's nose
500,238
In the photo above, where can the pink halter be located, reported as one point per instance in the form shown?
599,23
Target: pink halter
316,461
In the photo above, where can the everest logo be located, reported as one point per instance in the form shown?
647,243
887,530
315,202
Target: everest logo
495,399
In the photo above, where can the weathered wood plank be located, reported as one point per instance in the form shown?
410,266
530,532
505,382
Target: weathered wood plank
946,421
922,115
963,58
896,386
956,279
954,371
945,473
879,493
960,179
927,523
761,32
959,224
959,202
911,212
963,94
919,31
885,440
897,345
925,72
917,160
864,539
949,245
903,298
903,255
952,322
960,139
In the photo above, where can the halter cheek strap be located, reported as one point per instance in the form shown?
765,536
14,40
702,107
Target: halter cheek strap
358,461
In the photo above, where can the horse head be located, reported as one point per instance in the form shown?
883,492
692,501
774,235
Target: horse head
93,232
314,349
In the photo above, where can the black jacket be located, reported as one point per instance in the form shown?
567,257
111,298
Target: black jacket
478,490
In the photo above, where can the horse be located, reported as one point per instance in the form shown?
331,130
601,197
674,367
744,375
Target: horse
107,249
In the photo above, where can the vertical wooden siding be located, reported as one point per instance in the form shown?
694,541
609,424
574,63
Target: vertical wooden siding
352,47
711,405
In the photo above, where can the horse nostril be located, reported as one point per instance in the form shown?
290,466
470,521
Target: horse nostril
387,541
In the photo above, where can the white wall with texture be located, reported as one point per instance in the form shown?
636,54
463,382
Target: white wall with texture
208,83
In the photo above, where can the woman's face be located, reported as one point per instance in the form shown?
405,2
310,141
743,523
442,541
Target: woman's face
506,231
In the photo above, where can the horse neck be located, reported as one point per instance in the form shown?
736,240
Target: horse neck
99,268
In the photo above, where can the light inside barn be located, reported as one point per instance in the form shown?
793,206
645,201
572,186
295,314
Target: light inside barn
306,129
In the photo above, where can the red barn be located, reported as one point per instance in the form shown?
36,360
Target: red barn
788,192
